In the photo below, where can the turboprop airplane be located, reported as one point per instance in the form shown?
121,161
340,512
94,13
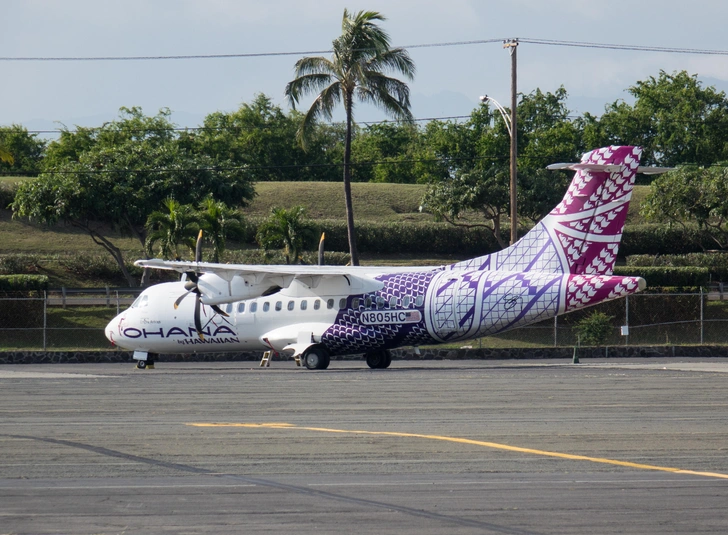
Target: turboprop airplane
564,263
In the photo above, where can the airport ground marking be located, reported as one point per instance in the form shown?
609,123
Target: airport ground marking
493,445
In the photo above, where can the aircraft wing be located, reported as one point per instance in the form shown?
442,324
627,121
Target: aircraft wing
224,283
224,270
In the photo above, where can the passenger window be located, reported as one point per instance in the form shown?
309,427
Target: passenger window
355,303
406,301
316,304
279,306
367,302
380,303
419,301
304,304
330,304
291,305
342,303
266,306
253,307
241,308
392,302
229,308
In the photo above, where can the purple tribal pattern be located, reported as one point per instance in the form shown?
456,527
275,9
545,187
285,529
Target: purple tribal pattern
582,234
563,264
348,335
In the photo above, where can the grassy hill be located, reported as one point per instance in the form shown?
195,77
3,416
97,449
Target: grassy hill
323,200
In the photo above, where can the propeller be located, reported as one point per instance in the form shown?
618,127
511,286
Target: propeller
192,287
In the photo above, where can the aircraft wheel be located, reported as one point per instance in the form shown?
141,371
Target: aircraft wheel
316,358
387,359
378,360
141,364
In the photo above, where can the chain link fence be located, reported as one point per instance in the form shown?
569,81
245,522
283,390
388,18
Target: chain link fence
62,320
76,320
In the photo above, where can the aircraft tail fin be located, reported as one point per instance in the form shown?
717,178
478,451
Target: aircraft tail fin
582,234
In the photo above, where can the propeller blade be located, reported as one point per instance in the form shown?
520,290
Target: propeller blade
198,248
321,249
198,322
179,299
219,311
192,276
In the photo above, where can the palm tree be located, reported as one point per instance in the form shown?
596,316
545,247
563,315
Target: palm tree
5,156
361,57
219,222
177,224
287,229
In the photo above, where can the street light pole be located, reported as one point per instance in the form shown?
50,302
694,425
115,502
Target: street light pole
512,45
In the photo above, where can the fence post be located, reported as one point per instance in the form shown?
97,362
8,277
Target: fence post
45,319
626,319
556,331
118,311
702,297
108,297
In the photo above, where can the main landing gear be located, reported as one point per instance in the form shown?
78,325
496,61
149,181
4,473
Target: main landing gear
316,357
379,359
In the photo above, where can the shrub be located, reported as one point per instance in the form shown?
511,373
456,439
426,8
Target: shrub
23,285
667,276
594,329
7,194
93,266
19,264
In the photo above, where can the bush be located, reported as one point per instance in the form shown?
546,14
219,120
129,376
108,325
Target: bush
92,266
23,285
717,262
258,256
667,276
7,194
19,264
660,239
594,329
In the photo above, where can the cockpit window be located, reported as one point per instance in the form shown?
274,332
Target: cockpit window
141,302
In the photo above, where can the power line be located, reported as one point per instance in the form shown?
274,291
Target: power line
534,41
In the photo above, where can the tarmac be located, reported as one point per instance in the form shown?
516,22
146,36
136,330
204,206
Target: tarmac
425,447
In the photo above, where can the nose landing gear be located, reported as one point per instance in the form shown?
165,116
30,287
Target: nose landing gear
145,361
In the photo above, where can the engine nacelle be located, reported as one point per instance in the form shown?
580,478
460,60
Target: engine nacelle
215,290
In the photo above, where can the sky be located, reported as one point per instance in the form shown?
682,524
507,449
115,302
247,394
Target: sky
45,94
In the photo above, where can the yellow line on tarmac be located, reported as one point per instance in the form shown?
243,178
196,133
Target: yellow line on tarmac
484,444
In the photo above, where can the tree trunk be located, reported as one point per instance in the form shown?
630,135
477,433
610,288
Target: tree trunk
146,273
114,251
347,186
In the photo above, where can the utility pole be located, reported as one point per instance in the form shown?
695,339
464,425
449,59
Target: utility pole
512,45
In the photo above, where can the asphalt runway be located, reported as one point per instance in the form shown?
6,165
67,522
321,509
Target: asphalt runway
516,447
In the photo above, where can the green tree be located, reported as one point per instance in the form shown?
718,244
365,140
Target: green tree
674,118
357,70
261,138
387,152
691,195
174,225
473,182
131,166
286,229
219,222
21,153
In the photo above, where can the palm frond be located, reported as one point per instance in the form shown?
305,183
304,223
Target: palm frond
306,84
322,107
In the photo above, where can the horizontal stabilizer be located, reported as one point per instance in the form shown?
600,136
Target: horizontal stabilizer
609,168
